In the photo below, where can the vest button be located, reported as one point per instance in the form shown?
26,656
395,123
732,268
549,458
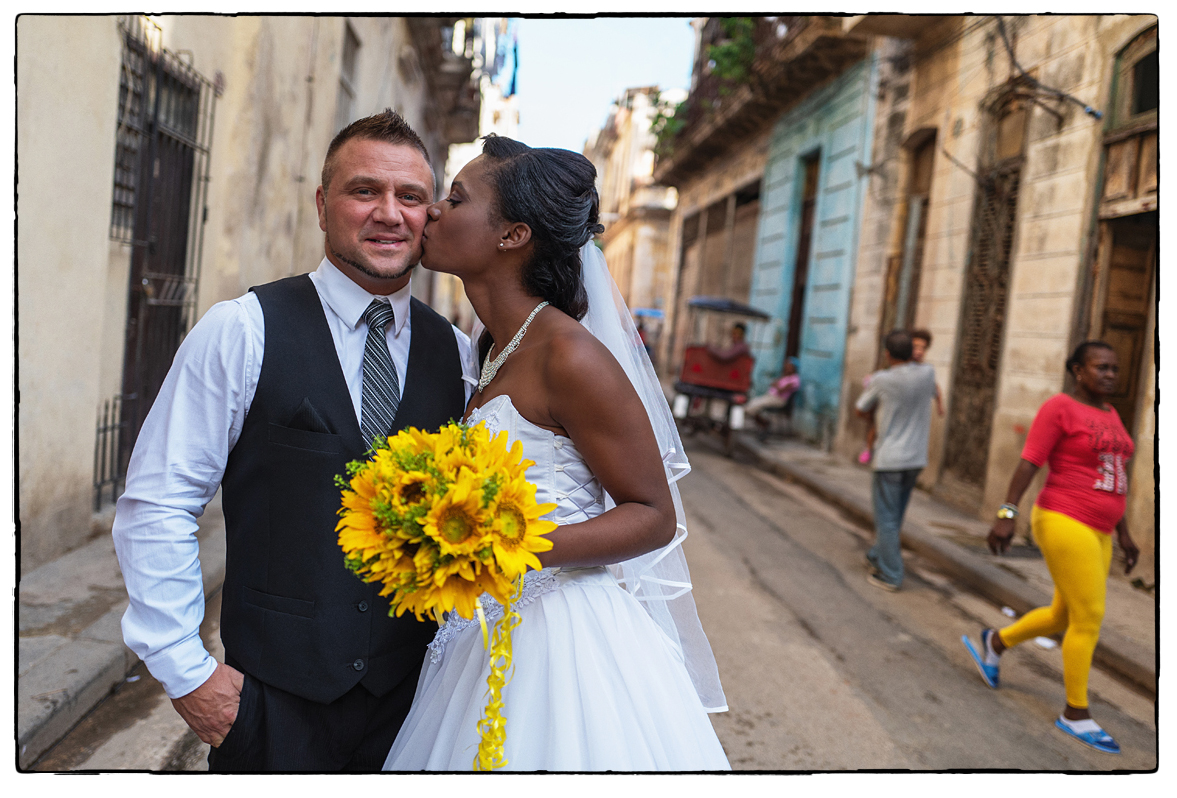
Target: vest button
362,606
358,664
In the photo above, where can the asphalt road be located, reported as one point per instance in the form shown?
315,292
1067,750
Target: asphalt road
822,671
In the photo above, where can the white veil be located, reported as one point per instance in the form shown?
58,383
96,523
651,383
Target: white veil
660,579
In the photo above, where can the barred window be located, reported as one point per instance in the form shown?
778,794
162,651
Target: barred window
130,136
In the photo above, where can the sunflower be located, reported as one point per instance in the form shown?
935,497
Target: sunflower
411,488
359,534
452,449
509,461
456,522
396,572
518,528
461,595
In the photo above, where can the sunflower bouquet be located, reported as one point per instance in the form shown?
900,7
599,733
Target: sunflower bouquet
441,518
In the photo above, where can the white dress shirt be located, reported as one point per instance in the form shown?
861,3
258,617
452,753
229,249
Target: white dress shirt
181,452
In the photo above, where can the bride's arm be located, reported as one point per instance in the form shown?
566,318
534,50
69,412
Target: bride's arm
590,396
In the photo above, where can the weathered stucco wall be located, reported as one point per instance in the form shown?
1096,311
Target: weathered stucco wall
635,211
1054,213
274,122
741,165
65,155
649,284
879,239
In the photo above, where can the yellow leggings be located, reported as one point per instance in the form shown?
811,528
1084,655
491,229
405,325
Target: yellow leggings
1078,557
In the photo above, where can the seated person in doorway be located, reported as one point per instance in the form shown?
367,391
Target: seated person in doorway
778,394
738,347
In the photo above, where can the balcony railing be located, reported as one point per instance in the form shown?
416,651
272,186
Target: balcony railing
450,76
789,57
713,85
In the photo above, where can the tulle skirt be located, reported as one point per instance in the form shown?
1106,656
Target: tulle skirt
596,686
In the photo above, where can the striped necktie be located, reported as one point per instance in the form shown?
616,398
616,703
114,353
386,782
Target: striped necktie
381,391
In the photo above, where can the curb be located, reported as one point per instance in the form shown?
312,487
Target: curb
63,677
1114,652
58,692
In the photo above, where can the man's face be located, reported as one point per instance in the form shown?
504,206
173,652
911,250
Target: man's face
373,212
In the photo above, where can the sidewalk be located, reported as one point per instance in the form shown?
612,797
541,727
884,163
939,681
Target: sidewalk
70,644
955,544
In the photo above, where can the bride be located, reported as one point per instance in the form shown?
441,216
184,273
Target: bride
612,670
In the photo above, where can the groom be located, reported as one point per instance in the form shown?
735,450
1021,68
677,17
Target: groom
269,397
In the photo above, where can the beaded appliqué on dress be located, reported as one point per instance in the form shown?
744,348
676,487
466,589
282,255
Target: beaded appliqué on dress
492,423
535,584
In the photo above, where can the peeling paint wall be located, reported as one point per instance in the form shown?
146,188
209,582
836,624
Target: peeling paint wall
836,125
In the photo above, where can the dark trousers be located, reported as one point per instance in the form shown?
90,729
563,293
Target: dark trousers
277,731
890,491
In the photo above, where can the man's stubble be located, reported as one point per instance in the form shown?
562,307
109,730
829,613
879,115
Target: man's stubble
363,268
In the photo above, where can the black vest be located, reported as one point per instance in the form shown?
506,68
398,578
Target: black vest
292,615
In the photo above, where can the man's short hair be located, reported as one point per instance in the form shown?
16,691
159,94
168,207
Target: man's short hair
387,126
923,335
898,344
741,326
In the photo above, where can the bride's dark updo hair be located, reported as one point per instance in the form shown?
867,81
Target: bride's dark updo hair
554,193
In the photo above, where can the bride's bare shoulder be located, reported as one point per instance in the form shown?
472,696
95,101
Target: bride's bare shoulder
575,360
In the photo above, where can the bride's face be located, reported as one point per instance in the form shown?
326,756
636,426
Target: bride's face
460,236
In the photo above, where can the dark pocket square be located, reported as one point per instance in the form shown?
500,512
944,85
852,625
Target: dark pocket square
307,418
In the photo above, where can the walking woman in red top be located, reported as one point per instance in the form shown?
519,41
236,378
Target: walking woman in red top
1084,443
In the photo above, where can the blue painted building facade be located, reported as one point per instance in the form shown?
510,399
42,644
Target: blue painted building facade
827,135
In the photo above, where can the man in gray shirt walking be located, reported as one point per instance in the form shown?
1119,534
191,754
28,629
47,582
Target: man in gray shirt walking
900,398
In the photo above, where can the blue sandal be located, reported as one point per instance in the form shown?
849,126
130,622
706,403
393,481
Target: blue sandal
1099,740
990,673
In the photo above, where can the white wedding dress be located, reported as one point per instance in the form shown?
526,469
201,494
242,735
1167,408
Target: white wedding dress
597,685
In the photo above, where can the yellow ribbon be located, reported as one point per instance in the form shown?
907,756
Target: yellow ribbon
492,727
482,621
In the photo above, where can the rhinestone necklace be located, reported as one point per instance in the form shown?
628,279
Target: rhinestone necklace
491,367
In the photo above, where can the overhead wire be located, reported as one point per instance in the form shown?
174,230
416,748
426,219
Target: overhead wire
1062,95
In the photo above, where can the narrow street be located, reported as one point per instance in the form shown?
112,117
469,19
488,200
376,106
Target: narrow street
822,671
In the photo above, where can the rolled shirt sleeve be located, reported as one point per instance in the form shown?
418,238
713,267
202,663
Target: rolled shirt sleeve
174,471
